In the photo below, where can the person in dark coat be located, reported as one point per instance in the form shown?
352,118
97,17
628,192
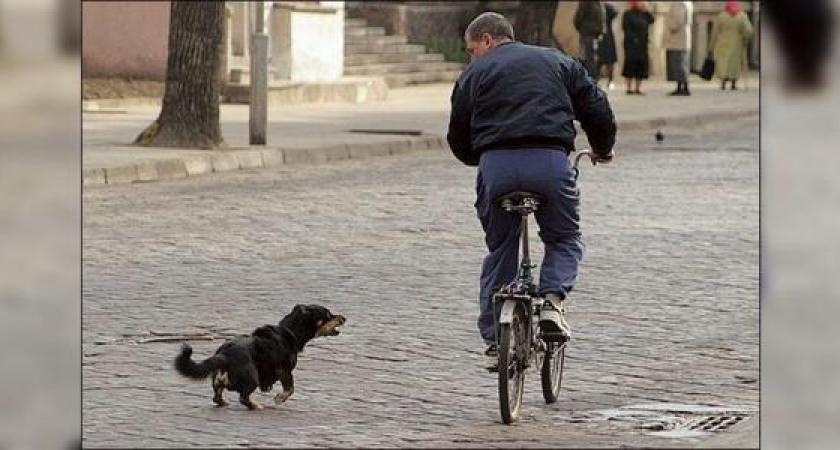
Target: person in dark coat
636,24
607,54
589,23
513,113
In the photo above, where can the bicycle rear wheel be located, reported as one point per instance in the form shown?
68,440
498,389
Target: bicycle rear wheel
552,371
513,340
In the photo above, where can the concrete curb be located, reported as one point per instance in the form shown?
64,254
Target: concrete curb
352,89
119,103
688,120
225,161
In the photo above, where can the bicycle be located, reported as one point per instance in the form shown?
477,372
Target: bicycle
519,341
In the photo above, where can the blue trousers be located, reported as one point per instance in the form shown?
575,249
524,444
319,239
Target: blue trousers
548,173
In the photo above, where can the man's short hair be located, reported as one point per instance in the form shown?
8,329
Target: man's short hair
494,24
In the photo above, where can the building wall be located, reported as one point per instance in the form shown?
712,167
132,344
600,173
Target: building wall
130,39
127,39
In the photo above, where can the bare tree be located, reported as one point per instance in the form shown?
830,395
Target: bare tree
189,116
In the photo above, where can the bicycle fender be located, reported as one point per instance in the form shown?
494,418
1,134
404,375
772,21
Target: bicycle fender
507,311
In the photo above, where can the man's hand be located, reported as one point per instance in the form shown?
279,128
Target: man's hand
602,159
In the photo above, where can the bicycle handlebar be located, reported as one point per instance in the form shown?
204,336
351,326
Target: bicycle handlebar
592,157
583,153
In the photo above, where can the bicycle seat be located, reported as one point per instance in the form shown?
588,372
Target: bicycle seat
520,201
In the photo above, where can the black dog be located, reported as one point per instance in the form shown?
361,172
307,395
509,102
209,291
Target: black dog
269,354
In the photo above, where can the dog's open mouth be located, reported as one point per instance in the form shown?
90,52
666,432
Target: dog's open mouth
330,327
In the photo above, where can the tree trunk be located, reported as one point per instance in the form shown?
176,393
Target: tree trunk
534,21
189,117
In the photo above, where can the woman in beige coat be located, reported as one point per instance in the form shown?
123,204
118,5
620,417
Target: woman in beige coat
678,43
730,37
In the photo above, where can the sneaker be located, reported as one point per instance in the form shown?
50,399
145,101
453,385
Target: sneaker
492,354
553,324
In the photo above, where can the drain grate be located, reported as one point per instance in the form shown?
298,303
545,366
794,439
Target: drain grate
716,423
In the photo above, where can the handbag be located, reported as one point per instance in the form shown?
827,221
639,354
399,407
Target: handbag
708,70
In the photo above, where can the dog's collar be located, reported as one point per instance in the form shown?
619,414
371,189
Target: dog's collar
295,341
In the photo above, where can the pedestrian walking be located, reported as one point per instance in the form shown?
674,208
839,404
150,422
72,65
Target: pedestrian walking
730,38
678,44
589,23
636,24
607,54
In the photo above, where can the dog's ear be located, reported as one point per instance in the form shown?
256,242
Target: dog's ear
300,309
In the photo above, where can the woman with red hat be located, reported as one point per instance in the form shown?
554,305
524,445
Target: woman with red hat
636,24
730,37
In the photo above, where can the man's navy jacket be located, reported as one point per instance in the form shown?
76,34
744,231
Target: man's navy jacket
523,96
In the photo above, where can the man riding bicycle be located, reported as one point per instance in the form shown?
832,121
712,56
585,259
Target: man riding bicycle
512,116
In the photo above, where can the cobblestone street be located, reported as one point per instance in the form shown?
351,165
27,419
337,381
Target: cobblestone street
666,311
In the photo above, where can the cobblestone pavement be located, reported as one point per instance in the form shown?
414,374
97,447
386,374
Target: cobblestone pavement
666,310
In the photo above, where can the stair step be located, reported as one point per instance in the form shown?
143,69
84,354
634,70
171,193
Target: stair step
363,31
375,40
408,79
401,68
362,59
350,49
348,22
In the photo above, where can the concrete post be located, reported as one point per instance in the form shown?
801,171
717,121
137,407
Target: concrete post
258,112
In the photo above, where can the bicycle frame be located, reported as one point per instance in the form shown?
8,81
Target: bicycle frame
522,288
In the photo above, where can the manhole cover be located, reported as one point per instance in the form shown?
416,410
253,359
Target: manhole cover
715,423
672,420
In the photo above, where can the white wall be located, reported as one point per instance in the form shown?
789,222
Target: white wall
308,45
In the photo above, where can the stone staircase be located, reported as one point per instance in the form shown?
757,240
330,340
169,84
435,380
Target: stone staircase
368,51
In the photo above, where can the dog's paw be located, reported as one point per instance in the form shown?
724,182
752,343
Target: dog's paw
281,397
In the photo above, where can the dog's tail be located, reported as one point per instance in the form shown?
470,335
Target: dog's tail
188,368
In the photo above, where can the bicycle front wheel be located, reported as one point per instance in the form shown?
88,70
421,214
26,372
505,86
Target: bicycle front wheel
512,350
552,371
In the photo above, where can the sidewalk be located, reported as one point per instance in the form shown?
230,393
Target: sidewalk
315,133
